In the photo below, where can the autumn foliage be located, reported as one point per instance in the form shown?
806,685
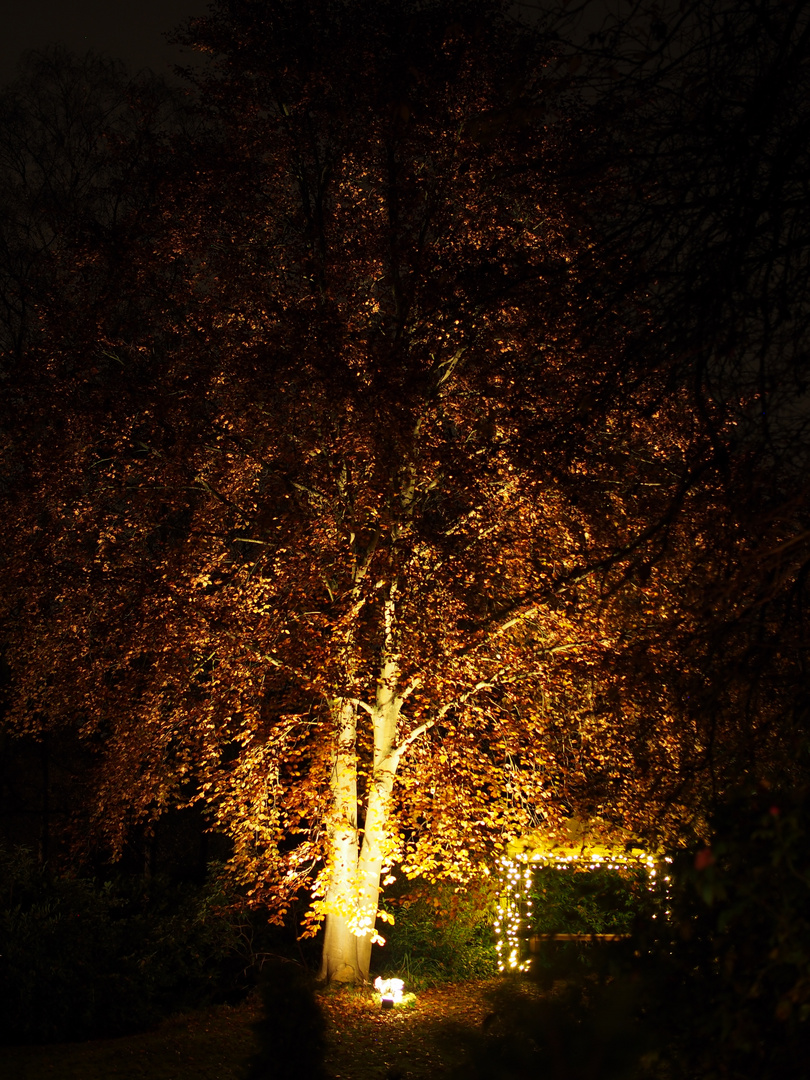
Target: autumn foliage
351,499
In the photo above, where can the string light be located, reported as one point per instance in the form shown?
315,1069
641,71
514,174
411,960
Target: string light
517,873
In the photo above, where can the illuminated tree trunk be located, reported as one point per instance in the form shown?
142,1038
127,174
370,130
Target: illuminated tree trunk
354,887
339,962
376,850
373,856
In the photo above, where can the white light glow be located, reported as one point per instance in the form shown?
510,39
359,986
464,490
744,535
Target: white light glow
390,989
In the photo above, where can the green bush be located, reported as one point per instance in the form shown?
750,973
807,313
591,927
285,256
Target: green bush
575,900
80,958
442,933
572,900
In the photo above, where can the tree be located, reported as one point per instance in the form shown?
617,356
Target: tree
733,254
364,517
78,142
702,114
707,104
74,133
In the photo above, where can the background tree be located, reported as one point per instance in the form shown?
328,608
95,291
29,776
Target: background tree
78,142
74,132
707,109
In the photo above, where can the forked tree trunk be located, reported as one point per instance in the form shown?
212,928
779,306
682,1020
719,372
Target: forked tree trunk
354,887
348,940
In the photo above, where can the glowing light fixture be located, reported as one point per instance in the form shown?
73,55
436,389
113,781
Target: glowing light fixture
390,991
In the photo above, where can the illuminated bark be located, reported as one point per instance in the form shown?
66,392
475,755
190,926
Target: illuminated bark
340,960
355,869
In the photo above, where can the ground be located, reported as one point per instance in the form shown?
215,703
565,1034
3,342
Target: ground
366,1043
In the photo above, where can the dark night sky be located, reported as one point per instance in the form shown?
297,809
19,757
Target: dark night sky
129,29
132,30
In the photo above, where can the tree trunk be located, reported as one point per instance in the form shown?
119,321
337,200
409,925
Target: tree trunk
354,887
376,850
339,960
373,856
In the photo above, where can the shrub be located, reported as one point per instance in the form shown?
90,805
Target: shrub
292,1030
588,1029
442,933
573,900
79,958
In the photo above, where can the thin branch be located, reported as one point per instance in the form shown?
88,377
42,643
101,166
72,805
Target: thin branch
414,735
445,709
414,684
205,486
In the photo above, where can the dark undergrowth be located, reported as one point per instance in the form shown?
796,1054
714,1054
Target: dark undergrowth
718,990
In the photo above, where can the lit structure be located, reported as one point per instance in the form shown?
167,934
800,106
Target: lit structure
517,869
